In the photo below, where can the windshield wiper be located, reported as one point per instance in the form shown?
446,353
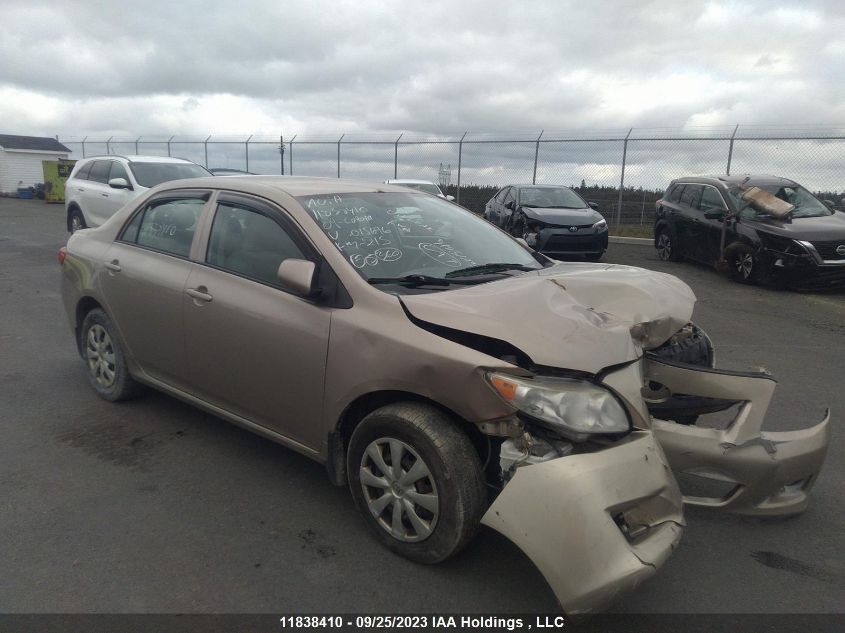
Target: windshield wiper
414,280
487,268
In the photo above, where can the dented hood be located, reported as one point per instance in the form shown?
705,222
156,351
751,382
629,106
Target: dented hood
571,315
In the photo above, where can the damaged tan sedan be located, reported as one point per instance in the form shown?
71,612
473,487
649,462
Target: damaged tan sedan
449,374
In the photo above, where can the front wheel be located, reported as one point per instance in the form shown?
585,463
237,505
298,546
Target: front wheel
743,265
417,480
518,226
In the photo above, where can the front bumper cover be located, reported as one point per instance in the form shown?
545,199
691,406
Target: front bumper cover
595,524
771,473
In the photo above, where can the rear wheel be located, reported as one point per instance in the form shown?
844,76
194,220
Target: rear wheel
76,221
417,480
104,358
666,247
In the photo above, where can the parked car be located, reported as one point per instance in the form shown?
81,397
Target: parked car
448,374
800,242
100,185
554,220
421,185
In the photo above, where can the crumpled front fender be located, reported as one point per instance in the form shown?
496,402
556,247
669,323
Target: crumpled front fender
772,473
595,524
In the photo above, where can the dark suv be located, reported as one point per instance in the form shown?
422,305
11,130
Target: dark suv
725,220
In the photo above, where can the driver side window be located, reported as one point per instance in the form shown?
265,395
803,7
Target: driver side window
510,196
711,200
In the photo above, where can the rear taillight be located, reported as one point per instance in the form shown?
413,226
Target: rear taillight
62,254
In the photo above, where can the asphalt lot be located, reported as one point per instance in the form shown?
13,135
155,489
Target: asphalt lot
153,506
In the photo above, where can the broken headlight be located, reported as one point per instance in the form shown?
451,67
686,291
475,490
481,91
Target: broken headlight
573,408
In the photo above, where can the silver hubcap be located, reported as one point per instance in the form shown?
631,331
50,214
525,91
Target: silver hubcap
100,354
744,264
664,246
399,490
75,223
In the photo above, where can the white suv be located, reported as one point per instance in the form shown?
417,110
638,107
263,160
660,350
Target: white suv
100,185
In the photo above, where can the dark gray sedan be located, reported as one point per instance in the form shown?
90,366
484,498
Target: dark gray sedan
553,220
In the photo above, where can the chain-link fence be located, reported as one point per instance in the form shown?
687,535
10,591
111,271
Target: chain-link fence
625,171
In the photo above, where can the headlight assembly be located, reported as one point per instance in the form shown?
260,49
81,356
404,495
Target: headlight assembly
574,408
601,225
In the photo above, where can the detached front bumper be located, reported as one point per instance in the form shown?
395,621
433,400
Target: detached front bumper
595,524
767,474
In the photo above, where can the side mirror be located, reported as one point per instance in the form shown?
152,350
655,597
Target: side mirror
593,205
119,183
510,205
450,198
297,275
714,214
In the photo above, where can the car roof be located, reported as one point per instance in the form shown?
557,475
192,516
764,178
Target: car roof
140,158
291,185
737,179
409,181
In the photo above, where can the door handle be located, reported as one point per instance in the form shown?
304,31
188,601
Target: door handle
105,195
200,294
113,266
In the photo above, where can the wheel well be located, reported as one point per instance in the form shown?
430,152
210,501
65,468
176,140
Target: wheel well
658,227
362,406
70,209
85,305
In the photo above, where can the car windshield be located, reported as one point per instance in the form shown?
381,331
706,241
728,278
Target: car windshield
152,174
397,235
806,204
551,197
427,187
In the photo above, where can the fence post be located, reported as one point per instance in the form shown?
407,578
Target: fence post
205,147
246,152
282,154
290,156
396,157
136,144
108,144
338,154
460,156
168,145
731,150
536,154
622,179
83,147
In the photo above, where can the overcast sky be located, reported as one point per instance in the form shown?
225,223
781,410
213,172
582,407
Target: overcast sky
324,67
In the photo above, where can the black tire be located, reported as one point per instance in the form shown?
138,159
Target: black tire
665,246
744,266
454,477
518,225
75,220
104,359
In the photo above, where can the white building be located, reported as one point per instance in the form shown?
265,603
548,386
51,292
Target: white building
20,159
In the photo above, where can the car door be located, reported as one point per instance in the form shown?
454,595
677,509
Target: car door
710,246
94,201
505,211
688,227
493,208
253,348
143,283
114,199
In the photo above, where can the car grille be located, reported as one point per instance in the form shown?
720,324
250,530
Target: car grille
574,243
827,250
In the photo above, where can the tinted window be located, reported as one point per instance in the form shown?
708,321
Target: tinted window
249,243
83,172
675,193
166,225
691,195
551,198
152,174
711,200
100,171
118,171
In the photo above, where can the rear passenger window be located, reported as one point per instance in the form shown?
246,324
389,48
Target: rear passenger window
166,225
691,195
675,193
100,171
249,244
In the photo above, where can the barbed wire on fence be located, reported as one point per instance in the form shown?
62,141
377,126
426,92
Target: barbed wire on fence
624,170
